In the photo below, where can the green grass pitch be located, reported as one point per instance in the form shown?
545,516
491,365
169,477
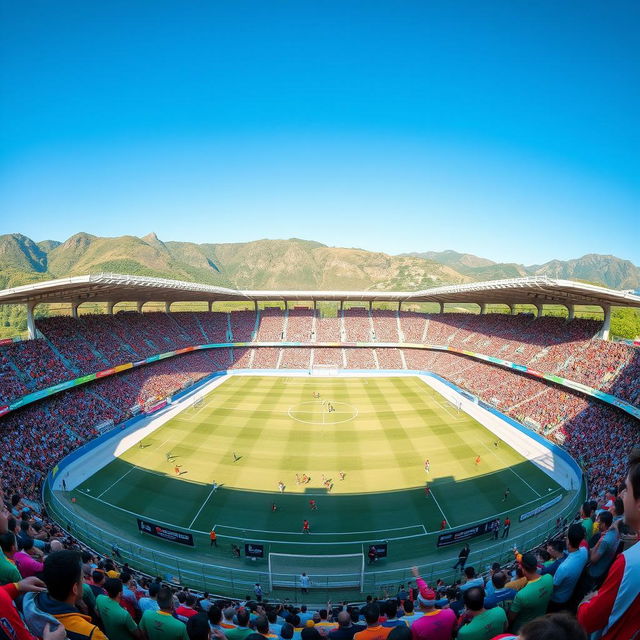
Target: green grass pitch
252,432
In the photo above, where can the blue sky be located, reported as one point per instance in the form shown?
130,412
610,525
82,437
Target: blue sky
505,129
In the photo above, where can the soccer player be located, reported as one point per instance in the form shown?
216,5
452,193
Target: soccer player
297,478
169,456
305,527
281,486
443,525
342,475
177,470
507,526
495,444
477,459
213,537
427,465
236,457
427,491
313,505
140,444
507,491
215,486
274,507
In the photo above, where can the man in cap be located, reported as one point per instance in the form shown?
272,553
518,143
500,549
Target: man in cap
435,624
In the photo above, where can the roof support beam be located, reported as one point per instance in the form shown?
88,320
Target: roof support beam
167,307
483,308
31,324
606,326
74,309
571,308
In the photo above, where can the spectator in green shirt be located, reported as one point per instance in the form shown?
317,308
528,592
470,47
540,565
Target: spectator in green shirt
118,623
484,623
532,600
161,625
586,522
8,571
242,630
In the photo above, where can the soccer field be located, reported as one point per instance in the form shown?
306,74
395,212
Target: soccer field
218,464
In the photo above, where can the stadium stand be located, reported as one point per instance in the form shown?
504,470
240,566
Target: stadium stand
33,439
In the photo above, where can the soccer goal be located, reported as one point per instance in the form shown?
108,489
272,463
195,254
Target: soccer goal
324,572
326,370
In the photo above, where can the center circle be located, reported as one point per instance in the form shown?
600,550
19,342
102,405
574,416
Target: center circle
322,412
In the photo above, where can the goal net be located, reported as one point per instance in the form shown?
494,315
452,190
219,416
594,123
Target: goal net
327,370
332,571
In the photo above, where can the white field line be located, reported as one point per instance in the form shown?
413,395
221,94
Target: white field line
266,540
514,472
113,484
202,506
412,526
444,517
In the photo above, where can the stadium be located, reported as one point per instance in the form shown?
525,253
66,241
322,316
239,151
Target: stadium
346,446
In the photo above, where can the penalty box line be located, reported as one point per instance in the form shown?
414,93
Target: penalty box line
265,540
514,472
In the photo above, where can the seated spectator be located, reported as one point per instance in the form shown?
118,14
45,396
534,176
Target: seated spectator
242,630
187,609
161,625
532,600
198,627
63,576
25,560
568,573
501,594
482,623
472,580
118,623
602,555
555,549
8,570
346,629
614,610
410,615
435,624
374,630
98,579
12,625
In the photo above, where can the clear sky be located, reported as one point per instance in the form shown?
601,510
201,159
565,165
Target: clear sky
507,129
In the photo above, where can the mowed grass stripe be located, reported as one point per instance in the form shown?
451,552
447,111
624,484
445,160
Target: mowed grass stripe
381,451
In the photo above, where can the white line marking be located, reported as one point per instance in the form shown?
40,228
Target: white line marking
512,471
202,507
413,526
113,484
440,508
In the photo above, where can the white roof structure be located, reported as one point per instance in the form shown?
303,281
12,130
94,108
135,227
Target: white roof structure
113,288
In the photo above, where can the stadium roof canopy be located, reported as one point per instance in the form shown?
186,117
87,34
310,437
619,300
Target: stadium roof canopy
113,288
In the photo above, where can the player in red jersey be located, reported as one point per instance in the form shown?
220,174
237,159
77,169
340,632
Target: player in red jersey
443,525
305,527
274,507
427,491
313,505
177,470
477,459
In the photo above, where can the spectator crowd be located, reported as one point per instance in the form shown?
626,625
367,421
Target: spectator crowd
63,592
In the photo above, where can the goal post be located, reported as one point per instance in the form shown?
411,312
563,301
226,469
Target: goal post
326,571
326,370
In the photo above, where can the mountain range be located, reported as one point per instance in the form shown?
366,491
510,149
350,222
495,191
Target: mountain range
282,264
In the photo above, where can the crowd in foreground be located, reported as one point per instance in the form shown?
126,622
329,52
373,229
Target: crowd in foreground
582,586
